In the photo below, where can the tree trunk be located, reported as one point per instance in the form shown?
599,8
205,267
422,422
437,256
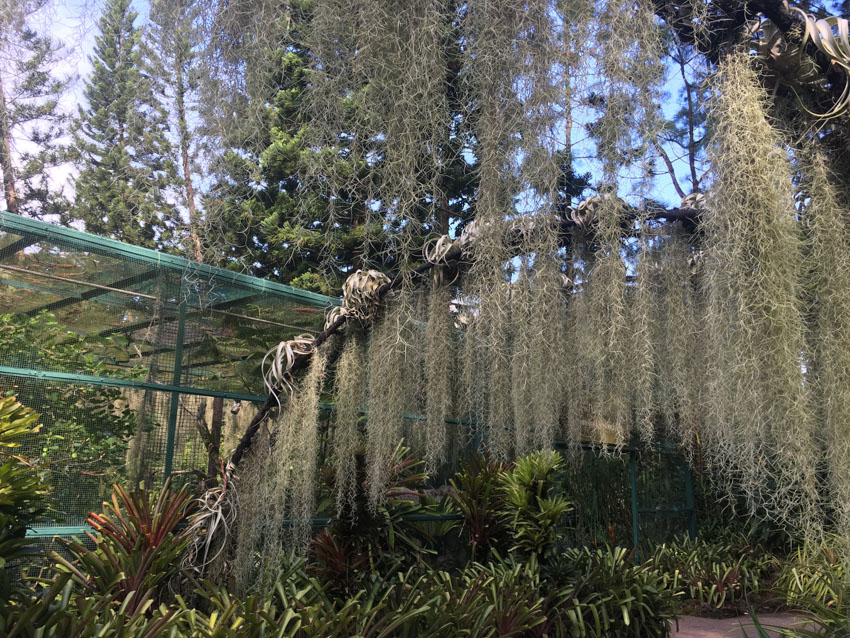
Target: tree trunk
188,189
214,450
9,191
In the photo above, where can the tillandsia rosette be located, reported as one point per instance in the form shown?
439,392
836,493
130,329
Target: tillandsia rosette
278,362
694,201
361,294
786,56
436,252
587,211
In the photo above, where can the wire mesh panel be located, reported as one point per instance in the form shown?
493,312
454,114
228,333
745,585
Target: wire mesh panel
133,358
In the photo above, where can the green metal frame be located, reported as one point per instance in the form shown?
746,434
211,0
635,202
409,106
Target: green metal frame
111,248
85,379
175,396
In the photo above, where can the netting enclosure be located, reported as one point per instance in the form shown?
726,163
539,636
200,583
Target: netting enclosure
126,352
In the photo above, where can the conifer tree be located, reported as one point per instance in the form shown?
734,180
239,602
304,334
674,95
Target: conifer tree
31,122
170,61
127,170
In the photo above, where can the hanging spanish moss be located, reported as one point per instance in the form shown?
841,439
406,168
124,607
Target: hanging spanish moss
303,431
350,402
579,369
495,351
255,493
825,209
679,342
548,346
644,322
610,337
277,485
761,431
440,357
392,344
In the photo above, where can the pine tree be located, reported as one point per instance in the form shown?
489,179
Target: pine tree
126,166
169,49
283,235
31,122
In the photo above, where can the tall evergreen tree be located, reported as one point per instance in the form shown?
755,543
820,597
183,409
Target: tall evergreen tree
272,230
31,122
127,170
170,61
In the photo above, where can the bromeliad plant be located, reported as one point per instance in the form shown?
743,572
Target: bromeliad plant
714,574
137,546
364,537
534,510
476,494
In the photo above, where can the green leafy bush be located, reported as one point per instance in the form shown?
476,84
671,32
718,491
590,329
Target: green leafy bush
23,492
607,594
477,496
534,510
137,547
86,427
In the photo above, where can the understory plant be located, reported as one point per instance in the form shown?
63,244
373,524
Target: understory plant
816,573
533,508
608,594
23,492
714,574
137,547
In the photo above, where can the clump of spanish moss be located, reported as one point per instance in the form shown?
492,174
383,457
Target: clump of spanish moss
679,338
760,430
350,402
303,432
277,484
255,495
578,365
391,347
523,418
547,349
642,351
610,334
825,214
440,358
495,350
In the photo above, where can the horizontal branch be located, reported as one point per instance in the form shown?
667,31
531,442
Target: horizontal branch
452,256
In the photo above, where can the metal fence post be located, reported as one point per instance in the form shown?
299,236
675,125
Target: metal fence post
175,396
690,501
633,480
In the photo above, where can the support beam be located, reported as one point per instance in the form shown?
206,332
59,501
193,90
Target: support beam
175,396
138,325
91,294
86,379
16,246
